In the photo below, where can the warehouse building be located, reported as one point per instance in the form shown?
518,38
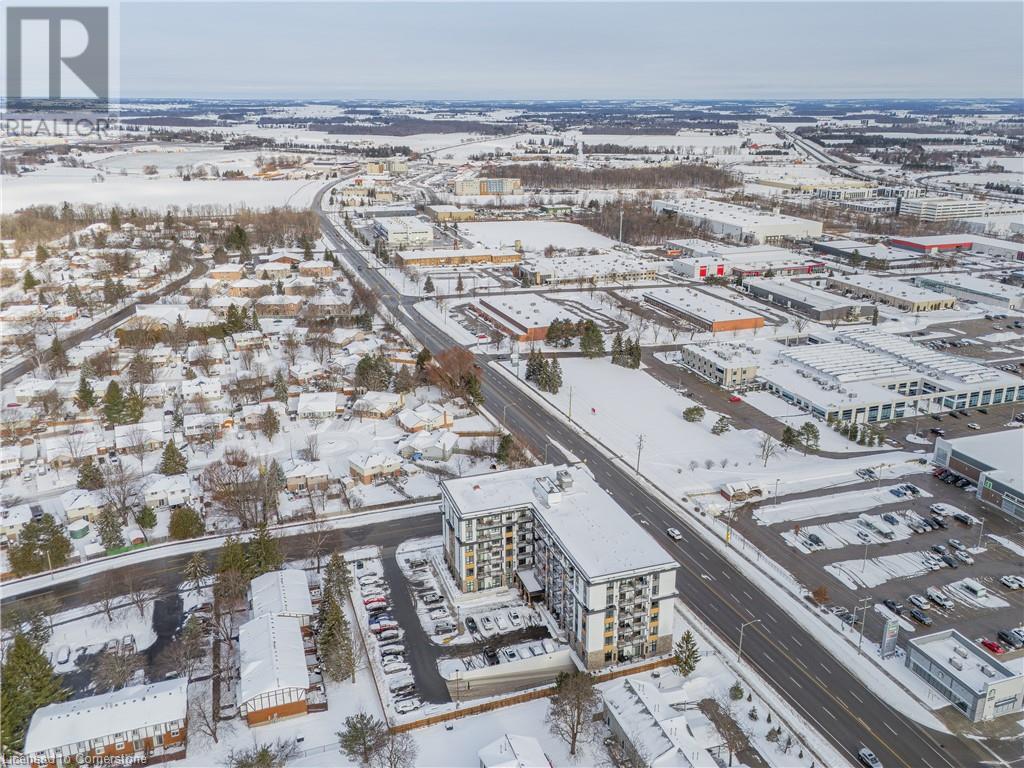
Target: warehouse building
738,222
403,231
994,461
702,310
895,293
440,212
590,268
526,316
974,289
815,304
940,208
439,257
978,685
477,186
556,534
857,252
702,258
987,246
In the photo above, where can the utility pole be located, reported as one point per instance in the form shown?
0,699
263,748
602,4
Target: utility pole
639,447
739,652
570,405
864,562
622,213
863,620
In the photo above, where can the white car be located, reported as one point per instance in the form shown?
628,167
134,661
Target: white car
486,624
1010,581
972,425
920,602
674,533
407,706
963,557
868,758
515,618
396,668
502,624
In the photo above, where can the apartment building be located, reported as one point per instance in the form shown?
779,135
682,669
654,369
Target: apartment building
478,186
556,534
941,208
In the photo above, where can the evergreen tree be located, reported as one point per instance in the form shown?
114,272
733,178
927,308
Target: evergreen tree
280,387
29,683
687,654
58,357
634,354
146,518
459,286
618,352
721,426
262,555
89,476
404,381
810,436
693,414
790,438
332,633
504,452
554,376
362,738
86,397
29,281
534,365
422,361
337,577
270,424
185,523
428,285
109,528
232,556
113,403
473,392
115,219
196,572
172,461
591,340
75,297
41,253
134,408
42,544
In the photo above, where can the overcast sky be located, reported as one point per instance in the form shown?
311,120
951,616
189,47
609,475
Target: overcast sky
516,50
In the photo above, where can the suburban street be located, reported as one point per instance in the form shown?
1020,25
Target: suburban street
808,676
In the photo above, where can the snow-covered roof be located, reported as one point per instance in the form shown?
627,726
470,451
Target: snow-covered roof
369,461
108,714
513,751
272,656
283,593
317,402
698,304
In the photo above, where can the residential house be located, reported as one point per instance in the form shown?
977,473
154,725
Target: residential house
226,272
282,593
167,491
248,288
513,751
274,680
427,416
279,306
273,270
321,269
431,446
13,519
368,466
378,405
149,435
307,476
317,405
10,460
81,504
204,387
252,415
200,427
135,723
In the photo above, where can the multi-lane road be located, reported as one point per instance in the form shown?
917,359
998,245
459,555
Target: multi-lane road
819,686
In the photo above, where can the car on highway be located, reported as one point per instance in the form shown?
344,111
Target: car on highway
674,533
868,758
993,646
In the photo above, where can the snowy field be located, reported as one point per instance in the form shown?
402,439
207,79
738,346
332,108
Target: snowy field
53,184
535,235
824,506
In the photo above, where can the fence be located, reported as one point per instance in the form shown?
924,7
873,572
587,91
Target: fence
521,698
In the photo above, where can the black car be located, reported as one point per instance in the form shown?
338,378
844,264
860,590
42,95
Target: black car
920,617
962,482
890,518
491,655
936,417
964,518
983,410
893,606
471,624
937,431
815,539
950,561
962,412
939,549
939,521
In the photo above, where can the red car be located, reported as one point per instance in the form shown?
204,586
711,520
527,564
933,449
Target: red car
735,399
993,646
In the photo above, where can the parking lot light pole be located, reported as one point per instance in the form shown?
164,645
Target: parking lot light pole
864,562
739,652
981,532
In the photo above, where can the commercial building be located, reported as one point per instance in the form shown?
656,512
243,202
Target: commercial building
976,683
979,244
450,213
555,533
274,680
940,208
525,316
867,375
738,222
400,232
591,269
889,290
709,313
728,364
703,258
477,186
976,289
440,257
994,461
871,255
817,305
125,725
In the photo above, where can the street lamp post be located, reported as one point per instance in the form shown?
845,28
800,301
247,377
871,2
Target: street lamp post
980,532
864,562
743,626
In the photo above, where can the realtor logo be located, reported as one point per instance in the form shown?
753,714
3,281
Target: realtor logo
58,52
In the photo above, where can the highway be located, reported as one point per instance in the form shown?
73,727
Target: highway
815,683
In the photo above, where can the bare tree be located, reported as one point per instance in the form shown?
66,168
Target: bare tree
108,596
247,356
572,708
311,450
767,448
137,437
398,750
138,596
115,669
203,723
75,446
290,346
120,489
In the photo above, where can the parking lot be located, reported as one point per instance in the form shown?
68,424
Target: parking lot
855,561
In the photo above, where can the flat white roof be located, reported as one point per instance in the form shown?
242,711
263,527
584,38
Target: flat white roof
729,213
890,286
403,225
454,253
592,529
943,647
108,714
592,265
976,284
699,304
528,310
1003,451
284,592
512,751
793,291
272,656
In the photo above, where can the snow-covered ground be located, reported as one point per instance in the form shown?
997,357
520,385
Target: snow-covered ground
785,412
832,504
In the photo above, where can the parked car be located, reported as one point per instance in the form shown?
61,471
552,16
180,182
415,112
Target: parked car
407,706
893,606
939,549
993,646
735,399
486,624
1010,582
898,492
951,562
396,668
864,536
964,518
515,618
972,425
1007,637
388,635
815,540
957,545
920,617
393,648
471,624
939,521
963,557
501,623
919,601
